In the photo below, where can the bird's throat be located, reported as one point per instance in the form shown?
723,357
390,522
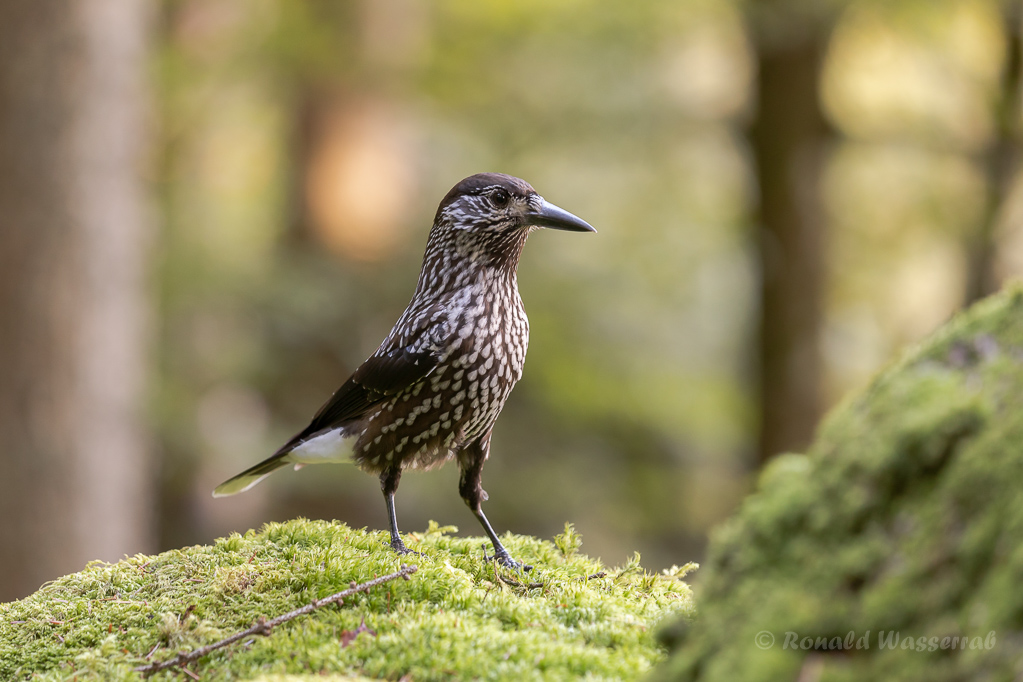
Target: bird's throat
499,250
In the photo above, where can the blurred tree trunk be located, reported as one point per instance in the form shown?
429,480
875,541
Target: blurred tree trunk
1001,162
74,228
789,138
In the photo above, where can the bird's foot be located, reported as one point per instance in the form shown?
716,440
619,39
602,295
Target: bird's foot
507,560
502,557
399,547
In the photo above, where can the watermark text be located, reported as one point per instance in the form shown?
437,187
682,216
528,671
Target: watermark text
883,640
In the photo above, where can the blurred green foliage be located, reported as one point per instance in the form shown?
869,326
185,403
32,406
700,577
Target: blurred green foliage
305,144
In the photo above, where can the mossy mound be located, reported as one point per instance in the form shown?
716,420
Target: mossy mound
904,523
454,618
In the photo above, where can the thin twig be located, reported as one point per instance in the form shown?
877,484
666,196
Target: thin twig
516,583
264,627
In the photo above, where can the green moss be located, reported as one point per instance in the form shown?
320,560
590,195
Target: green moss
454,617
906,515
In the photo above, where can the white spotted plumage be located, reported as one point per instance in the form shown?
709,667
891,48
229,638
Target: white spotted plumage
437,384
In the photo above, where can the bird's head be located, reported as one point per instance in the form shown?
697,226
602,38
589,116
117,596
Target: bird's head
497,204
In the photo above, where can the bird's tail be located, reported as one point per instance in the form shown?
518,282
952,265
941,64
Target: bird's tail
250,477
328,445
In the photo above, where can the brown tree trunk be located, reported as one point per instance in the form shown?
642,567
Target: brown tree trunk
1001,161
75,482
789,138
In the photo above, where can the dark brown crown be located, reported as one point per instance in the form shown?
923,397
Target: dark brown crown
476,183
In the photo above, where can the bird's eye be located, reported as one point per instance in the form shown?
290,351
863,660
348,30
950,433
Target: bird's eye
500,198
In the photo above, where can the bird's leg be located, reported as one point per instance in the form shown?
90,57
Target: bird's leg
471,489
389,484
500,553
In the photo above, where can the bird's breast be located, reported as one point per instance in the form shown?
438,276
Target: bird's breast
461,399
492,331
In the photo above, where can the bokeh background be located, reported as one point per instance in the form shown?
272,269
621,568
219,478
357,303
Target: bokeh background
211,211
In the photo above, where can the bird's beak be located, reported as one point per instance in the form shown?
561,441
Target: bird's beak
556,218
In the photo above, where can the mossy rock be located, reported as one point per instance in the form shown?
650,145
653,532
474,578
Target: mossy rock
904,523
456,617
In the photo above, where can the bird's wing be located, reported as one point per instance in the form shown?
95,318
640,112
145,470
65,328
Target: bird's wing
384,374
399,363
381,376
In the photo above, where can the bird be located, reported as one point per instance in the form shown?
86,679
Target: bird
432,391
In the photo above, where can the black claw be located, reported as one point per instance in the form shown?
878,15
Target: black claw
502,557
400,548
518,565
506,560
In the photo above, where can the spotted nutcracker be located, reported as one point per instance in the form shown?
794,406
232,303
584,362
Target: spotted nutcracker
434,388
